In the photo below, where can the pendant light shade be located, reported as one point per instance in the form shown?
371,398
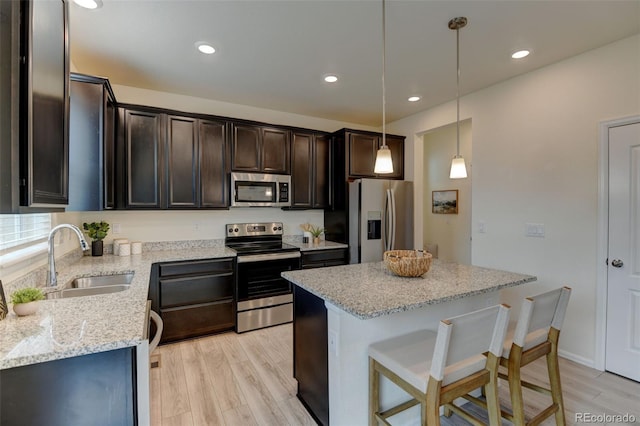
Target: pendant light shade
458,167
383,164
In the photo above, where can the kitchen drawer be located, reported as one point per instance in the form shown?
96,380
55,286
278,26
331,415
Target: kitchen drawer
322,258
195,290
198,267
192,321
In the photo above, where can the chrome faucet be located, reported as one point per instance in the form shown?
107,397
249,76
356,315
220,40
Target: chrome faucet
53,275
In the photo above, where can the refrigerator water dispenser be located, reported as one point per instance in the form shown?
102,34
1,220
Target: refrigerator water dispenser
374,225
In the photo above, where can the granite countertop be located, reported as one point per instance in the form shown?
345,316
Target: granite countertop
322,245
369,290
63,328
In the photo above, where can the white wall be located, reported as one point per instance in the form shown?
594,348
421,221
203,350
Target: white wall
535,159
451,232
165,225
134,95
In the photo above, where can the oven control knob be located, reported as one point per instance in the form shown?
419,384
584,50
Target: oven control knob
230,230
236,230
275,228
279,228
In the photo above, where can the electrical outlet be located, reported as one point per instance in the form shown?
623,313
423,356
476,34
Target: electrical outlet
534,230
116,228
333,342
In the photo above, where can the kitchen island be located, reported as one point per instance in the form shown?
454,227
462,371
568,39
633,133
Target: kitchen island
365,303
76,356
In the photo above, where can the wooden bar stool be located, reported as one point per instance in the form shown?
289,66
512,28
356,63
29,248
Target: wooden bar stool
535,335
458,365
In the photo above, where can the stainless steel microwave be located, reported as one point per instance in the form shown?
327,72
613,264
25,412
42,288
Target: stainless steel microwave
260,190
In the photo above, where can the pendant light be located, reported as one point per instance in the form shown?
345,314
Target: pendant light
458,168
383,164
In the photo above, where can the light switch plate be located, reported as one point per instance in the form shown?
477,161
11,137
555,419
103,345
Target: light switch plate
482,227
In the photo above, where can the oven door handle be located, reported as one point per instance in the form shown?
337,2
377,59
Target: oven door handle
270,256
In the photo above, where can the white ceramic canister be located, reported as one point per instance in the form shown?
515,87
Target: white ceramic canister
116,245
307,237
136,247
124,249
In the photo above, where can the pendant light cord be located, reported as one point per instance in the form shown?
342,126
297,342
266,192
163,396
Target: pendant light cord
384,62
457,92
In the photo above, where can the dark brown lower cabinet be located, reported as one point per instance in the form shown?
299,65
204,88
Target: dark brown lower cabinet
90,389
194,298
310,353
310,347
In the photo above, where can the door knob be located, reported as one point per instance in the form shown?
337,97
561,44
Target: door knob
617,263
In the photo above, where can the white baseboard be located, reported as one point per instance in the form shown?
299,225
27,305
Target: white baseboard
577,358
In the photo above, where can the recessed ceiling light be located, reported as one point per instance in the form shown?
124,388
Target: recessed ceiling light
89,4
414,98
330,78
520,54
205,48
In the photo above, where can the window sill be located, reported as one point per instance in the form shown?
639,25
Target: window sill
26,254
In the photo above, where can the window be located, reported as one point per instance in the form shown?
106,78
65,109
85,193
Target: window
20,230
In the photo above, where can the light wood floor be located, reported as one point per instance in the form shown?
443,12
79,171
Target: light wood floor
246,379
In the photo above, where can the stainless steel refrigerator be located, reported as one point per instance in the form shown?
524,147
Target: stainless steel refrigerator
380,218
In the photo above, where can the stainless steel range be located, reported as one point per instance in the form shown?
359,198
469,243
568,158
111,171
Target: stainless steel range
263,297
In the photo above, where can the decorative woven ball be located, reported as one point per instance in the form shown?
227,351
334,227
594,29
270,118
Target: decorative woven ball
407,263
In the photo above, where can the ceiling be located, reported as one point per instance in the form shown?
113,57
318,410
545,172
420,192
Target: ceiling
274,54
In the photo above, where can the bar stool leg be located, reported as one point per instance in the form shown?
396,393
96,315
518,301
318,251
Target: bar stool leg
374,393
491,390
554,376
515,387
432,404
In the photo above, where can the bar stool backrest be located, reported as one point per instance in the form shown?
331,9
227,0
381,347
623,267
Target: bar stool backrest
538,314
462,341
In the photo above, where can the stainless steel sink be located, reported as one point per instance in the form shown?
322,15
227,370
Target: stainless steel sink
91,286
102,280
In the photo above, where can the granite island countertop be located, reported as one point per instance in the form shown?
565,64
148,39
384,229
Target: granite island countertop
64,328
369,290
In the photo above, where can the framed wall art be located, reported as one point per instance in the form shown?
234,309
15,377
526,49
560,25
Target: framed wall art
444,202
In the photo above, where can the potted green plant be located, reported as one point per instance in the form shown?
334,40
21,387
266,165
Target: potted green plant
97,231
316,231
25,301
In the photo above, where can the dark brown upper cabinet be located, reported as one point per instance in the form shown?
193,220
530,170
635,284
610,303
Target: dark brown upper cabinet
44,104
360,148
310,170
362,154
196,163
186,161
260,149
182,162
143,150
91,144
214,164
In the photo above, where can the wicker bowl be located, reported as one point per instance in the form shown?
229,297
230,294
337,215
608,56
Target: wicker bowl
407,263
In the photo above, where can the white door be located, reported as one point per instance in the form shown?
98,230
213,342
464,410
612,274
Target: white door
623,275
